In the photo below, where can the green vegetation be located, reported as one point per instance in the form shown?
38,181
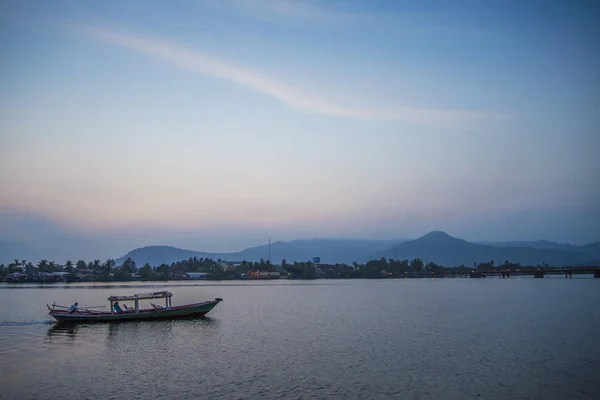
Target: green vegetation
219,270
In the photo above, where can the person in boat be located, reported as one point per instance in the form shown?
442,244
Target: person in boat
117,307
73,308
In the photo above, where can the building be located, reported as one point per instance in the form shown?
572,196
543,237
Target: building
324,269
16,277
196,275
262,275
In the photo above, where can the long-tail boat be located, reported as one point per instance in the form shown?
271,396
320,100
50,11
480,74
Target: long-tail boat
156,312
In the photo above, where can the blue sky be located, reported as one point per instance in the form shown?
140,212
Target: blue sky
215,124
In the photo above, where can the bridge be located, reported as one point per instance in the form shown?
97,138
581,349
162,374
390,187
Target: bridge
540,272
536,272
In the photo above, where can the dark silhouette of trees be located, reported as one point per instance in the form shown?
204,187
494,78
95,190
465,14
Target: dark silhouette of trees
218,269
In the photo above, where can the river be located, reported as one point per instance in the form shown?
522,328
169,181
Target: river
518,338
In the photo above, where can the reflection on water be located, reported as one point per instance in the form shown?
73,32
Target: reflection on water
115,329
451,339
63,329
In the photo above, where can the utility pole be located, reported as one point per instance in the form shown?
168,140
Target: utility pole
269,250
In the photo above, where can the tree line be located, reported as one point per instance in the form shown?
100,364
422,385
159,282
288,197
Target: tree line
217,270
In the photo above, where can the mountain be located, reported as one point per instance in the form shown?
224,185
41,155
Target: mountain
443,249
437,246
537,244
156,255
331,251
592,248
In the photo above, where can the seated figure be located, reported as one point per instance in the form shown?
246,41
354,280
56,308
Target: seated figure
73,308
117,308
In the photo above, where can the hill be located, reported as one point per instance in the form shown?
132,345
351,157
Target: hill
443,249
331,251
592,248
156,255
437,247
537,244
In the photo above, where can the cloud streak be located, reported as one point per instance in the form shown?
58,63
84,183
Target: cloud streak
301,9
210,65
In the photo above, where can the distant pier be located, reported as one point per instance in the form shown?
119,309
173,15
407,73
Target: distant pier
540,272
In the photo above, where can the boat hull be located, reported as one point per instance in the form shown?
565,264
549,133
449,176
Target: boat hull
188,311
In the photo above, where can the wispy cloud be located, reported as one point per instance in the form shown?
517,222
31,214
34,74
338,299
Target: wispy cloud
207,64
440,22
301,9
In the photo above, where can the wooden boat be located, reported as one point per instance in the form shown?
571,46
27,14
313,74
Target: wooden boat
88,314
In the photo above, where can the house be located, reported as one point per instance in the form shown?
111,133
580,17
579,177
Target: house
262,275
230,265
84,273
196,275
324,269
16,277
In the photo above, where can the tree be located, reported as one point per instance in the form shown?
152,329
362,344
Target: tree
146,272
30,268
69,266
96,266
128,266
53,267
42,266
107,268
164,272
81,264
416,265
373,268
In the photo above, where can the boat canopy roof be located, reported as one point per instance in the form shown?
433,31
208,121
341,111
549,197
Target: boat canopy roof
142,296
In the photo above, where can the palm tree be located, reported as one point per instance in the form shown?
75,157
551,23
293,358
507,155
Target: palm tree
108,266
43,265
69,266
128,265
30,268
52,267
96,265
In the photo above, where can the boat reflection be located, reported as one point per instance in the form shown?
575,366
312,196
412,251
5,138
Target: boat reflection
130,329
159,326
64,329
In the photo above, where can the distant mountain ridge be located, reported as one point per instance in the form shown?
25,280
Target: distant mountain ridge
330,251
443,249
538,244
156,255
436,246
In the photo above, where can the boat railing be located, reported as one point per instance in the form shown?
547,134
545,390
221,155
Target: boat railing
81,309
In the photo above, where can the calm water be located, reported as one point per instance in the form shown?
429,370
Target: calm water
449,339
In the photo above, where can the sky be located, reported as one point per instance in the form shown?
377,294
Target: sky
216,124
